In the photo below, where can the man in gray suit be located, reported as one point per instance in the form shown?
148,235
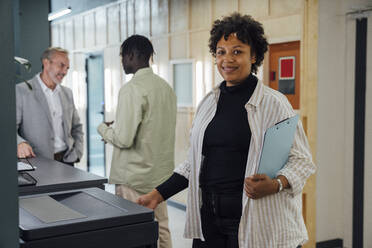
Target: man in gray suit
48,124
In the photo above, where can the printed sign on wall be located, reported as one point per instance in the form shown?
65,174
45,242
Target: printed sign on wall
287,75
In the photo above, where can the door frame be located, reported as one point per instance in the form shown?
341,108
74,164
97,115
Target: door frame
88,55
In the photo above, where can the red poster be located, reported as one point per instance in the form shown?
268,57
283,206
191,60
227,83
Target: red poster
287,68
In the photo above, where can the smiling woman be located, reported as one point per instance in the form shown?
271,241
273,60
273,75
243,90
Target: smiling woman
245,31
238,207
234,59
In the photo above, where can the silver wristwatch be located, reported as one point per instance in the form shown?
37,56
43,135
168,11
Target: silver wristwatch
280,184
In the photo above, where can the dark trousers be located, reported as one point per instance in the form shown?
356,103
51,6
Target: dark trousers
220,217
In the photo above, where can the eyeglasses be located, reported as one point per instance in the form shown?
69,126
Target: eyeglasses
60,65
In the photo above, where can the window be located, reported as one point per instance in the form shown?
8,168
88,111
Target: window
183,82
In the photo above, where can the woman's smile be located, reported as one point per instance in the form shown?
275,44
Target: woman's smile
229,68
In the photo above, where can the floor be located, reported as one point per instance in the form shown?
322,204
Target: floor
177,219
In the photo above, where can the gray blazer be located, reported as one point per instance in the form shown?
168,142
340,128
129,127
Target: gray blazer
34,122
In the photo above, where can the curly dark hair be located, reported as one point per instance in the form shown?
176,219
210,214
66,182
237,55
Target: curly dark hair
247,30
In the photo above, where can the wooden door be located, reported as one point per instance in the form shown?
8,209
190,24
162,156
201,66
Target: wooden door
284,69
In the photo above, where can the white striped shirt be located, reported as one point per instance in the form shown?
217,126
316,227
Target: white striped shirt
272,221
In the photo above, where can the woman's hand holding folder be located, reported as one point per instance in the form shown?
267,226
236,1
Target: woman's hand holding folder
261,185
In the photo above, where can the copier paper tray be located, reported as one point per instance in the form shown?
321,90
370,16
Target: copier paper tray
55,214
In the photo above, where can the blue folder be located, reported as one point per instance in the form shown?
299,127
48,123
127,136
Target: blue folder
278,141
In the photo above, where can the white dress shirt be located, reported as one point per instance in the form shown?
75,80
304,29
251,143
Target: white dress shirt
55,108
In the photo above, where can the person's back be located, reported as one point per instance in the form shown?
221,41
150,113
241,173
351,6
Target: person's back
149,160
144,131
159,121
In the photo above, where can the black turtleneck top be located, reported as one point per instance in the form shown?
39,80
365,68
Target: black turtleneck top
226,140
225,145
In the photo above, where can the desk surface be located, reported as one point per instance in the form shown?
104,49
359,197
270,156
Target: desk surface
55,176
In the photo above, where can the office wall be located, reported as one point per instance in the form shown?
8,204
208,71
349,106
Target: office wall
8,183
31,32
336,123
331,97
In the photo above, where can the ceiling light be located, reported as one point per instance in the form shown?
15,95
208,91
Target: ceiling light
59,13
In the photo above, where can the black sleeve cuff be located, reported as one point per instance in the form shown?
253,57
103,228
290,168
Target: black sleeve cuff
172,186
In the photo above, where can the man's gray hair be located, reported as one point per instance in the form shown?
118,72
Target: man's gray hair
50,51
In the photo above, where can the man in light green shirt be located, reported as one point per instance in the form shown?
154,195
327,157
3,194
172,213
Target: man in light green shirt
144,131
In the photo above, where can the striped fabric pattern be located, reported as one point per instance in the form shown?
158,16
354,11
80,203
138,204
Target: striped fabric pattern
272,221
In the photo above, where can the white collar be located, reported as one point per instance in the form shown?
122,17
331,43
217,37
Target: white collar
44,87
